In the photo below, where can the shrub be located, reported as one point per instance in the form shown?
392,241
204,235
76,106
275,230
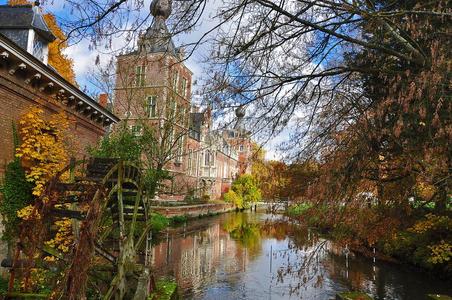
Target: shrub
121,144
178,219
159,222
232,197
298,209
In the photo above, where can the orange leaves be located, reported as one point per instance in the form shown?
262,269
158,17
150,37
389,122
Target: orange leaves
43,149
61,62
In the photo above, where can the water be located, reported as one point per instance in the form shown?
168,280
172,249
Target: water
258,256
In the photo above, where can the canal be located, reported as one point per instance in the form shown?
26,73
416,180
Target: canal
261,256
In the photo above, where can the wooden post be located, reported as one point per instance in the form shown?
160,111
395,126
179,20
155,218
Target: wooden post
122,242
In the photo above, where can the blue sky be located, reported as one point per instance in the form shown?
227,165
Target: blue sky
84,56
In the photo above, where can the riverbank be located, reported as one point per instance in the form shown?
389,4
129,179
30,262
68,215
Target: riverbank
193,211
422,243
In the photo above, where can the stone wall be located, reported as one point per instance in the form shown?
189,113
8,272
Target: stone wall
194,210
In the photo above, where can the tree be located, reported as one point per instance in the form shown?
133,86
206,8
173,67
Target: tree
57,59
245,190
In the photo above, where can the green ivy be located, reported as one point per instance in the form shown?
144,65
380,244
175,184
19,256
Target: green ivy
17,193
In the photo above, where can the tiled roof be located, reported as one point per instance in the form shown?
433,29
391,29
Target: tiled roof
24,17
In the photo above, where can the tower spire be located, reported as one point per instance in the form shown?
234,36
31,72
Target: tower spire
161,8
157,38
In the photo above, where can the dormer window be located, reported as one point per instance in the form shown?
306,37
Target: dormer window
25,26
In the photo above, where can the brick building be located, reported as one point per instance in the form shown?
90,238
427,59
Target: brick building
153,90
26,79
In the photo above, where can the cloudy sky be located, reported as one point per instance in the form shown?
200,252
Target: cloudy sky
85,57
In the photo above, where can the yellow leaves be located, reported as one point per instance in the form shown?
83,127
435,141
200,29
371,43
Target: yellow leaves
43,147
441,252
28,213
431,222
63,238
425,190
61,62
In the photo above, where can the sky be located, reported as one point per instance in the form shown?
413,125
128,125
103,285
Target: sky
85,57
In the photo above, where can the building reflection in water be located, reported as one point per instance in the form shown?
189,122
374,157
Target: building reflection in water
193,258
245,256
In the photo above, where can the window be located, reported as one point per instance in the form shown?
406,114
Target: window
140,75
241,148
175,79
189,167
182,114
38,49
172,108
136,130
184,88
180,150
151,106
207,158
212,159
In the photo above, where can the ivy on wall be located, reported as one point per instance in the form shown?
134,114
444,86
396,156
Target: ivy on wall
16,192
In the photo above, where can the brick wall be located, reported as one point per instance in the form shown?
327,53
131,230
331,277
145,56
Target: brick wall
16,97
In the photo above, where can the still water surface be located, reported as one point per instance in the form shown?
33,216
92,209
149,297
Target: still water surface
260,256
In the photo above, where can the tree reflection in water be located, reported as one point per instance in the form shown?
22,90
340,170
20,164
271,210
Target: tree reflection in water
257,256
245,229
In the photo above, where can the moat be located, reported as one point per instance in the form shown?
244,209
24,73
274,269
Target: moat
261,256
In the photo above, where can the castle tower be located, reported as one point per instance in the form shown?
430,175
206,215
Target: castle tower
153,87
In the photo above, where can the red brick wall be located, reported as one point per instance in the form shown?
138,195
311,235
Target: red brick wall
16,97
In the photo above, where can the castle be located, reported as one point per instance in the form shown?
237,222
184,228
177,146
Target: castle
153,90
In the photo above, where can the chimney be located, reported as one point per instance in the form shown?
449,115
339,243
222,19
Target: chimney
103,100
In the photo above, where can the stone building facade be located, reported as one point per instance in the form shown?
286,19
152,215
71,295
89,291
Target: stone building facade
153,90
26,80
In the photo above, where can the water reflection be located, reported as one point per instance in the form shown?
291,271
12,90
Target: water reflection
257,256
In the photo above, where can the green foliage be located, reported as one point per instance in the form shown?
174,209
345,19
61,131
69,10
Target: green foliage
428,243
353,296
205,198
178,220
159,222
17,193
119,144
3,286
298,209
232,197
165,290
153,179
246,189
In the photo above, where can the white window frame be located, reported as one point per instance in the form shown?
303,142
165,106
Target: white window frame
140,75
151,109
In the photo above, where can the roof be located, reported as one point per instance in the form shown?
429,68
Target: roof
157,38
25,17
10,50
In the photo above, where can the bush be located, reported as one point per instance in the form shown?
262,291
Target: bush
428,243
159,222
120,144
298,209
232,197
178,220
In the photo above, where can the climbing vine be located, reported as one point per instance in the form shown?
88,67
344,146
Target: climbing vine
16,191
